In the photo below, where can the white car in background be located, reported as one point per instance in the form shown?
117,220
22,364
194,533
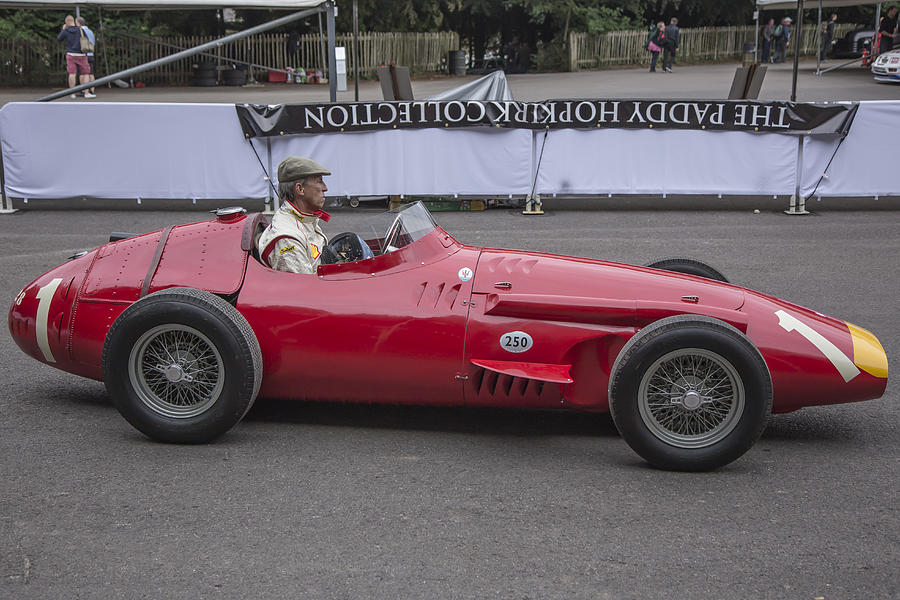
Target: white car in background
887,66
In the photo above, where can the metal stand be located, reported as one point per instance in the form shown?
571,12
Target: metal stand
533,200
270,200
798,202
797,206
6,205
533,205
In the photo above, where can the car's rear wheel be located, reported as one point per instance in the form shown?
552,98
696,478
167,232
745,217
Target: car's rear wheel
690,393
690,266
182,365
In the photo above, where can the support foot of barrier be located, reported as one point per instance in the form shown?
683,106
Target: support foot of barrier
797,208
533,206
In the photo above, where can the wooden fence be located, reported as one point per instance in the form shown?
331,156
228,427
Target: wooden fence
42,62
699,44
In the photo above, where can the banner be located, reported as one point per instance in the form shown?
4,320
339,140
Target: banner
725,115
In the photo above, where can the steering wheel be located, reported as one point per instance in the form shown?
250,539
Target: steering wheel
346,247
393,232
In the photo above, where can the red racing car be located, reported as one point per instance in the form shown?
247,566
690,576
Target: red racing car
185,326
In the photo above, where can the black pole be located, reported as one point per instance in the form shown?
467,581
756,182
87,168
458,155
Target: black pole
102,44
332,63
356,50
798,35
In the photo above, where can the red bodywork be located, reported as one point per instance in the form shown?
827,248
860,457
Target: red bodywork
412,326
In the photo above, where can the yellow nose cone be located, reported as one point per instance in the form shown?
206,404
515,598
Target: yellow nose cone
868,354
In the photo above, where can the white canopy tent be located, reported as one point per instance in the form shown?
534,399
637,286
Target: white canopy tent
799,6
304,8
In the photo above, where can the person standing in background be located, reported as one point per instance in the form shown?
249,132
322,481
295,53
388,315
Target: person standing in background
655,45
827,36
76,61
90,55
886,29
672,42
782,39
768,35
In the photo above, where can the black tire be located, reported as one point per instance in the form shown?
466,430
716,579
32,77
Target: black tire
690,266
205,81
208,365
205,75
690,393
234,77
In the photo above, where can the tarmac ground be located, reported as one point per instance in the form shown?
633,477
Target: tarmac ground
321,501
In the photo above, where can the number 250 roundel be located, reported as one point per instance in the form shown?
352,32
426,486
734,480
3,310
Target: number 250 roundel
516,341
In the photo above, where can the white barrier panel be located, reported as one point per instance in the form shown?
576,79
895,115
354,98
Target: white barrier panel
143,150
417,161
620,161
117,150
866,162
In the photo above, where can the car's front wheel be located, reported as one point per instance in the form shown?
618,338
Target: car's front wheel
690,393
182,365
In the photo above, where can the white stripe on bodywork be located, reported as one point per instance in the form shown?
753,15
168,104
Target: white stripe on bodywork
840,360
41,326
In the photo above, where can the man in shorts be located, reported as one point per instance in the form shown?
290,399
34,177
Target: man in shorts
90,55
76,61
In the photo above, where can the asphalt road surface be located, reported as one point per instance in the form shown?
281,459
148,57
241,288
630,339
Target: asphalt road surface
348,501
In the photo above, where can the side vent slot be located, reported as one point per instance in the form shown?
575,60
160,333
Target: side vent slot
452,294
509,384
421,292
490,379
478,379
523,386
437,296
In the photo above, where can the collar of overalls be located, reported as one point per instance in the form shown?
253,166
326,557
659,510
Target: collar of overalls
321,214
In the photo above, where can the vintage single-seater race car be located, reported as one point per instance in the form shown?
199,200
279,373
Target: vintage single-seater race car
185,326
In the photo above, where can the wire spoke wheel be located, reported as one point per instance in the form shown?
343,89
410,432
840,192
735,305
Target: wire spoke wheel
182,365
176,371
691,398
690,393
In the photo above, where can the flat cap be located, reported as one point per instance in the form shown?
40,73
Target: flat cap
295,168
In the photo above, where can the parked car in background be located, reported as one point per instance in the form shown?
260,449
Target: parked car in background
887,67
853,44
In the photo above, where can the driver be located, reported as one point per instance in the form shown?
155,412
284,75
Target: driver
294,241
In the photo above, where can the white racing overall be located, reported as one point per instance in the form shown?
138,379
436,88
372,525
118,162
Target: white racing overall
294,241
